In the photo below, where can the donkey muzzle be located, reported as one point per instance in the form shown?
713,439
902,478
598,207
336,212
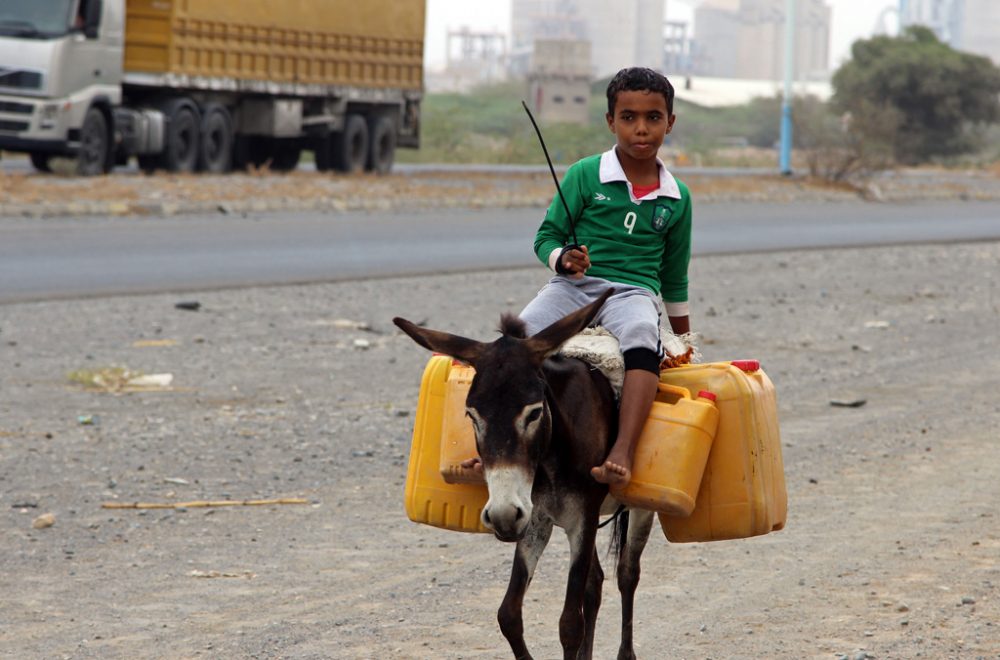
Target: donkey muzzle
508,511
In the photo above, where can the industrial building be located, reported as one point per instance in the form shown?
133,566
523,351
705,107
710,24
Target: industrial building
972,26
745,39
622,33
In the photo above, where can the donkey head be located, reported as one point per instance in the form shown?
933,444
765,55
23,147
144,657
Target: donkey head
508,407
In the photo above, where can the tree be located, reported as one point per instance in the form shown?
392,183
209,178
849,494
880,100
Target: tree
939,96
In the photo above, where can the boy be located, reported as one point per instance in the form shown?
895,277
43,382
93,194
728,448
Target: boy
633,223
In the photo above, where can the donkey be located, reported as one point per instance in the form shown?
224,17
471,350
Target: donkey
542,421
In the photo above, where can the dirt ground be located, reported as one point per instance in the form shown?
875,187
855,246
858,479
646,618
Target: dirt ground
892,547
28,194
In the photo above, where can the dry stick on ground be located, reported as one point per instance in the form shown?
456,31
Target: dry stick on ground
199,504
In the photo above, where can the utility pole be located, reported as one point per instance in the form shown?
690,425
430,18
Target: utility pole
786,104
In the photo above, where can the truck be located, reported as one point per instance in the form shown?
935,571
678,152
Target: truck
211,85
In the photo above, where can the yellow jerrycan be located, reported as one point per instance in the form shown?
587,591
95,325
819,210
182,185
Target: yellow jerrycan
671,452
742,491
428,498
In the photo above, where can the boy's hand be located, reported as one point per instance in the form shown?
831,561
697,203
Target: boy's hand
576,262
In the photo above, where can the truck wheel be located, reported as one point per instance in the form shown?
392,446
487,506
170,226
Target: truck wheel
92,159
321,153
382,149
40,161
180,149
285,156
215,148
349,148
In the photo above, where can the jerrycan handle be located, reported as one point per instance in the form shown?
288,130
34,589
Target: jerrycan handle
674,392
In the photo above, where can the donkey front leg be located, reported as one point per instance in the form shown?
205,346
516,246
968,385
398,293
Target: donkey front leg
573,622
639,524
529,551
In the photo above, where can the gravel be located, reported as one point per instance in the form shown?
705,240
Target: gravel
890,550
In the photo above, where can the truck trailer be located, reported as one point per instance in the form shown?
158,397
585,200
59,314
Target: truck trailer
211,85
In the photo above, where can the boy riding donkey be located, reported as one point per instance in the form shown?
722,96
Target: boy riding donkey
633,222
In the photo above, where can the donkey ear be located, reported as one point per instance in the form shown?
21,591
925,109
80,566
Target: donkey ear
547,341
466,350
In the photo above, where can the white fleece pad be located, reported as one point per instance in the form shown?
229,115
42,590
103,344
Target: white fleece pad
598,347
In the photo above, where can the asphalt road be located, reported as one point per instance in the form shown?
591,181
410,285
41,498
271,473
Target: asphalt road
78,257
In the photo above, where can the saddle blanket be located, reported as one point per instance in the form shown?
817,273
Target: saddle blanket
600,349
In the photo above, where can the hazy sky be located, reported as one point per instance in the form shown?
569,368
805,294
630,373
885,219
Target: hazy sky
852,19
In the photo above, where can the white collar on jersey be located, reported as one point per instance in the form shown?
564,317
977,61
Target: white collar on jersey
611,170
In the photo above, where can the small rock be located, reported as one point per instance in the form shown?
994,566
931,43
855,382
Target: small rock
362,344
188,305
968,600
848,403
44,521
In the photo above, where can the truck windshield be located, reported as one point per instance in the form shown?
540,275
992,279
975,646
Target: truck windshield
39,19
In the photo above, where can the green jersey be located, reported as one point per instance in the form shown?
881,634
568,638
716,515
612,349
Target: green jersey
644,242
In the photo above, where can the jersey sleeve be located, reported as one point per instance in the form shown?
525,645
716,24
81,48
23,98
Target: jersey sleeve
555,231
677,255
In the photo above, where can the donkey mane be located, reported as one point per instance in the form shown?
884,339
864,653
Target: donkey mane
513,326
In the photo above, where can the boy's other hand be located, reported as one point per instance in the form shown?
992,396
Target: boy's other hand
576,262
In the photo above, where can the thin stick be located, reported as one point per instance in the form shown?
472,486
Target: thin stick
199,504
538,132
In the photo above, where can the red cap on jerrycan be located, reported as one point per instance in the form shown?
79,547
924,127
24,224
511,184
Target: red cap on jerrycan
746,365
708,396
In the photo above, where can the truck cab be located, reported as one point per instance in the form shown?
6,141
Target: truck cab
60,79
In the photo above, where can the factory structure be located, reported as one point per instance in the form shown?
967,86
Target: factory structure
560,47
972,26
744,39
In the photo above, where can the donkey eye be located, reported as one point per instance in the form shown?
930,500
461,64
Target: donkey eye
533,416
477,421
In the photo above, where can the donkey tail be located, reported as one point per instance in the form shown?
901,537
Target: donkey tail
619,532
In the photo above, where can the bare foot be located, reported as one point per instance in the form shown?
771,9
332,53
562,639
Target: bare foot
615,475
475,464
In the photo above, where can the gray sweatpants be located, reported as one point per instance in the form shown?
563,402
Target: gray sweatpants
632,314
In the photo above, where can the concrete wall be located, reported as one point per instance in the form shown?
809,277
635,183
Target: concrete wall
559,83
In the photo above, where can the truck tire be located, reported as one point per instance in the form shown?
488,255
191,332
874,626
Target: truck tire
93,159
349,148
285,155
382,147
40,161
180,149
321,153
215,146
